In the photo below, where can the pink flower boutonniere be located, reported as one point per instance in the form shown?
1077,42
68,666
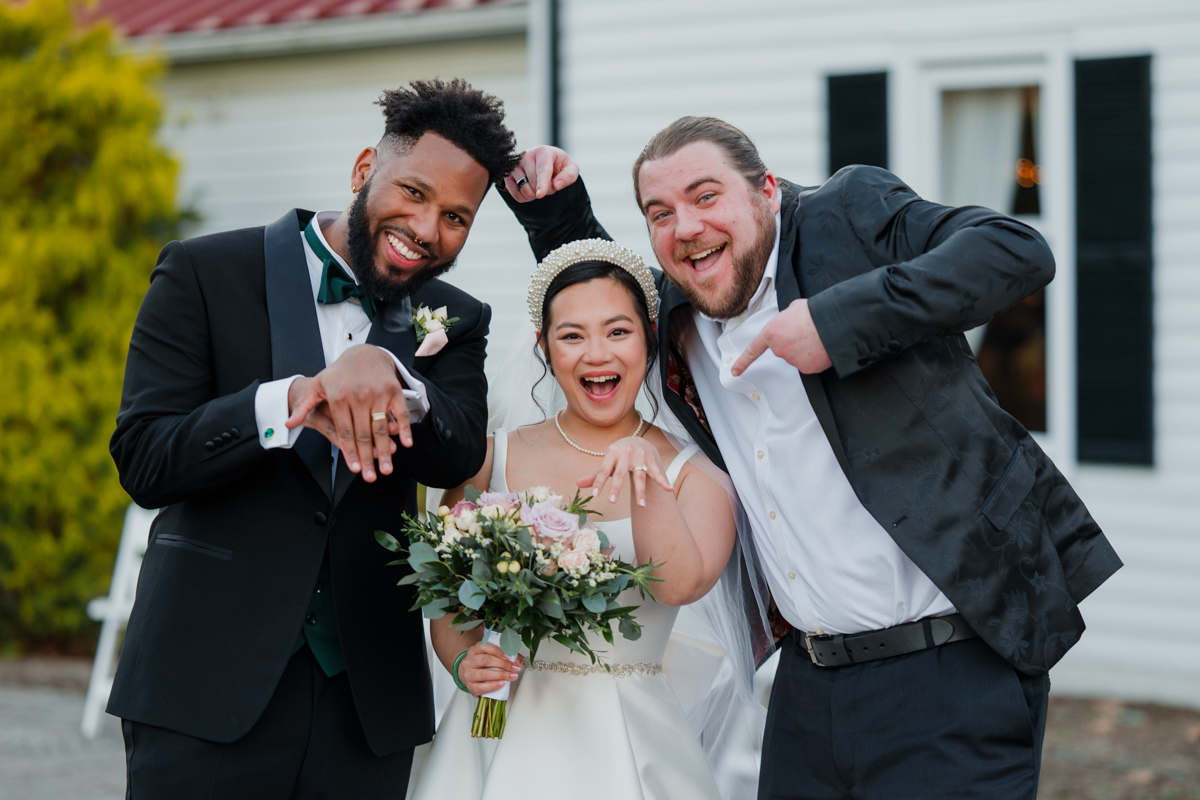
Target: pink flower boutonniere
431,329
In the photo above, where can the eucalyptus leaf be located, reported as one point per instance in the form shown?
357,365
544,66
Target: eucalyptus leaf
433,613
420,554
595,604
510,642
466,626
630,630
551,607
480,570
604,543
471,494
389,541
409,579
470,595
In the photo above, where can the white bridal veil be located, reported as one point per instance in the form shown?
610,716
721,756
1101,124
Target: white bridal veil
718,640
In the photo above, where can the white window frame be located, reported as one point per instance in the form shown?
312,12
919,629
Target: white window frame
919,77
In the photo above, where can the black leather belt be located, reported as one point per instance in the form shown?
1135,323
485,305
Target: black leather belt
839,650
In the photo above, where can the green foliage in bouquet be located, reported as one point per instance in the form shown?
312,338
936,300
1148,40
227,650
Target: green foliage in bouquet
89,198
487,566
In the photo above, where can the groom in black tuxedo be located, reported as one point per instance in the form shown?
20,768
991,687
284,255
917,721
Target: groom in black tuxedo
927,554
270,653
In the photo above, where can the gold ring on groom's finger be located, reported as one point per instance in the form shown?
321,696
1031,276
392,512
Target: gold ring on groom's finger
379,416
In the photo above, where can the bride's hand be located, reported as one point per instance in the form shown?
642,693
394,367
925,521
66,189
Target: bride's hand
624,456
485,669
544,170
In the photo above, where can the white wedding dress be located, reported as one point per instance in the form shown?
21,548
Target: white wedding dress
573,729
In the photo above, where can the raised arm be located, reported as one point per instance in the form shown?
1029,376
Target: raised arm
562,214
940,270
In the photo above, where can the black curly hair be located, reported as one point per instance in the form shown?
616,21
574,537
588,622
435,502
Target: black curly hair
470,119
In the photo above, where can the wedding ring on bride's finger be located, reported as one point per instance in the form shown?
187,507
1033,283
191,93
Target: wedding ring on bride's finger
379,416
643,468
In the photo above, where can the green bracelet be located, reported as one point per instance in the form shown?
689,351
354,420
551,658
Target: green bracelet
454,671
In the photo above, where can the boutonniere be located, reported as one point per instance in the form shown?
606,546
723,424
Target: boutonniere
431,327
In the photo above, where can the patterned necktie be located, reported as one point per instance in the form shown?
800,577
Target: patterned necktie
336,285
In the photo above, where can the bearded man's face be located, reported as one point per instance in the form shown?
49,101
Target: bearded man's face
712,232
411,218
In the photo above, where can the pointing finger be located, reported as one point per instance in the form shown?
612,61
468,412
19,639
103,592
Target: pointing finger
755,349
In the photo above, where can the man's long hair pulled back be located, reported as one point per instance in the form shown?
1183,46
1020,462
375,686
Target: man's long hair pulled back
688,130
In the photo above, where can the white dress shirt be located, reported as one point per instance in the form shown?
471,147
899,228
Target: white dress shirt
342,325
828,562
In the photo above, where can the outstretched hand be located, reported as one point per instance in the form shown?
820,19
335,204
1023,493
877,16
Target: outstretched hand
340,403
792,336
631,456
545,169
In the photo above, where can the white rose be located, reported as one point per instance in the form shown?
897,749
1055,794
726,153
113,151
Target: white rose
538,494
465,520
492,511
586,542
441,313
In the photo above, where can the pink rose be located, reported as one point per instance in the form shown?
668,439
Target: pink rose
573,560
586,542
506,500
461,506
550,522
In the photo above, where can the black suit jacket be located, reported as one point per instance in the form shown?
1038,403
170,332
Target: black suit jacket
234,555
964,490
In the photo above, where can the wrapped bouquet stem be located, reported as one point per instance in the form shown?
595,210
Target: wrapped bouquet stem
491,713
526,565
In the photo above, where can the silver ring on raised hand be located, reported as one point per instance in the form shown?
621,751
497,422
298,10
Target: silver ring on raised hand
522,182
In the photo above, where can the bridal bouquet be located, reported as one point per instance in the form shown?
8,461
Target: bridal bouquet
526,565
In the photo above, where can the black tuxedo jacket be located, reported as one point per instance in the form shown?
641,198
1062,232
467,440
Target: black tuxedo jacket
234,555
892,281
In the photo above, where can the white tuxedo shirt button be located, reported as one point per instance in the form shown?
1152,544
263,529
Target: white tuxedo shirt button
728,359
761,454
756,396
772,515
791,575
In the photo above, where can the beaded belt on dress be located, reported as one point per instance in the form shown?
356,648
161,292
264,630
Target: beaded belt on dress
615,670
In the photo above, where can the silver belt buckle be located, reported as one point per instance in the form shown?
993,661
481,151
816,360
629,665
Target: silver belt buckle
808,637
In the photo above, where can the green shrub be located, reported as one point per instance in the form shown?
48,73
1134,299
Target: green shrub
88,197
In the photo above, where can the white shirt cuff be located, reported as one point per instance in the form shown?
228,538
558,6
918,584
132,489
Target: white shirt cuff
271,412
414,395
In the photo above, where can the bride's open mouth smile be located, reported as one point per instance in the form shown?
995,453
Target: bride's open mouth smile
600,385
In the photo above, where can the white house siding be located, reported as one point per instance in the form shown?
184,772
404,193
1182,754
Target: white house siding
630,67
257,137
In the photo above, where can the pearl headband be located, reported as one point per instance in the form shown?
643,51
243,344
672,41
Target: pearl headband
583,250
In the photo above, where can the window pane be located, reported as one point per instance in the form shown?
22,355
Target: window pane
989,158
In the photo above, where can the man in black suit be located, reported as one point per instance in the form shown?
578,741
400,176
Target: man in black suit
927,554
270,653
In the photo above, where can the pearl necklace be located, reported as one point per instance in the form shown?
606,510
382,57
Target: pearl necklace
567,439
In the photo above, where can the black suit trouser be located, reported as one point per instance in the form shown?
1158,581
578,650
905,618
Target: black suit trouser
307,744
956,721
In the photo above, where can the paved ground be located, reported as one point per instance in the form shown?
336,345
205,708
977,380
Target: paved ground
42,755
1095,749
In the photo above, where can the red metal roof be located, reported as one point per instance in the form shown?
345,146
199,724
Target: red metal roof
158,17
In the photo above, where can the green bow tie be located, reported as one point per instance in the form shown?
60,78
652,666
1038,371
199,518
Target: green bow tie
336,285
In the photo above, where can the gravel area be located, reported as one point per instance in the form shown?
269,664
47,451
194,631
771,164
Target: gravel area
1095,749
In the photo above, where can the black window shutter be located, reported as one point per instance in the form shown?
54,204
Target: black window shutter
858,132
1114,281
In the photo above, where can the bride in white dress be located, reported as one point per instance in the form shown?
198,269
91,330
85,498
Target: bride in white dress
574,729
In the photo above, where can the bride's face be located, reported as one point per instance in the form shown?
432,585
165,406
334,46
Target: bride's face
597,349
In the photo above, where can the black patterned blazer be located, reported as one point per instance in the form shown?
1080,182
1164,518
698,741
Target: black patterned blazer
892,281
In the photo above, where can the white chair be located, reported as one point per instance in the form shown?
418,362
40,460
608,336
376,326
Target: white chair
113,612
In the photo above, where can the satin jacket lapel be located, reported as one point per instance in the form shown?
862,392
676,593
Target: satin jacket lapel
295,336
394,331
788,289
672,300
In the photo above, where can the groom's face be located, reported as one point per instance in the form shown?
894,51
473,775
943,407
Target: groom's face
412,215
711,230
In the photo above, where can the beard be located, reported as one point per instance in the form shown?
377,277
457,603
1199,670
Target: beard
748,269
363,243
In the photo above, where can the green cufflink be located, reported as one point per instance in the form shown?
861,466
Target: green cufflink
268,433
